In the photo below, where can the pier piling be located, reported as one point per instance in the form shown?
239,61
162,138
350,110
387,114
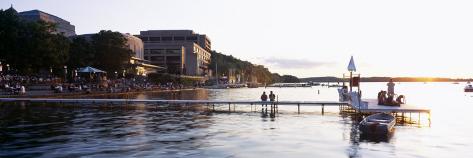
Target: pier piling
298,108
322,109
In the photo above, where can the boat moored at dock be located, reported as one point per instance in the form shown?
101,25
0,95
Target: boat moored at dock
380,123
468,87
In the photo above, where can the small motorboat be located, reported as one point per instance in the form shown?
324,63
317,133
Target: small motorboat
469,88
380,123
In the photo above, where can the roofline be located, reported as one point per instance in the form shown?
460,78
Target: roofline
44,13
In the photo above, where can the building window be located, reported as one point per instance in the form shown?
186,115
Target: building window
178,38
157,51
144,39
155,39
173,51
167,38
173,59
156,59
191,38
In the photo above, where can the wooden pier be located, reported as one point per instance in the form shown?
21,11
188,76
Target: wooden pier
366,106
322,104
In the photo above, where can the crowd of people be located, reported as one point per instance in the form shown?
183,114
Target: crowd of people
387,97
16,84
21,85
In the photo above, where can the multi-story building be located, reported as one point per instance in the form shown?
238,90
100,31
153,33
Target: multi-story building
179,51
62,26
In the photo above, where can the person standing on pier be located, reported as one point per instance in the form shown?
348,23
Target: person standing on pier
391,88
272,98
264,97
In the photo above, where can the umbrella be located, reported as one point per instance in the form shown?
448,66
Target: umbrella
89,69
351,65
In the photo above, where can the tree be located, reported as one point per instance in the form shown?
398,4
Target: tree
10,29
275,78
30,46
111,51
249,70
290,79
81,53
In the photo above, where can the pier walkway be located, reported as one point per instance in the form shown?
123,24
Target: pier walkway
179,102
367,106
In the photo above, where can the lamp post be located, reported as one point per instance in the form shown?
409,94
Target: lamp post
51,72
1,67
8,68
116,75
75,75
65,73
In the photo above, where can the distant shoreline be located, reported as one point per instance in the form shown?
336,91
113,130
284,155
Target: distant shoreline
385,79
51,94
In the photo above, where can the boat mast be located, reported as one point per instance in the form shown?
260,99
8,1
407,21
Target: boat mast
216,72
351,80
351,68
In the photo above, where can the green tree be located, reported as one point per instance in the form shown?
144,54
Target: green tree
111,51
275,78
81,53
289,79
249,70
30,46
10,30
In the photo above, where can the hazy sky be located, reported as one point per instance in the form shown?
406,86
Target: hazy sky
299,37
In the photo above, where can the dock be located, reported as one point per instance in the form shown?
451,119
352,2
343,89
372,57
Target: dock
322,104
370,107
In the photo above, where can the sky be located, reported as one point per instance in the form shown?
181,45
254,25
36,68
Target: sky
305,38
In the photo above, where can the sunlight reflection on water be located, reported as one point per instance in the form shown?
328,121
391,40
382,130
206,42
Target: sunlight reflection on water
52,131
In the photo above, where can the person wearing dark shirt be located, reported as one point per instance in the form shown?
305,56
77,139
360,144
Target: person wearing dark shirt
264,97
272,97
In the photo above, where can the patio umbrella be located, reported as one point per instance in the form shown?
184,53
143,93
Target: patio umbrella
89,69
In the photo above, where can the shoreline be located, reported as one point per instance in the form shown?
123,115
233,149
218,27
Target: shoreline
92,94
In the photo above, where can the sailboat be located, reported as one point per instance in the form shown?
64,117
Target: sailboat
218,85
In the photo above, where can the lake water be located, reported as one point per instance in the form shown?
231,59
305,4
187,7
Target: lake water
149,131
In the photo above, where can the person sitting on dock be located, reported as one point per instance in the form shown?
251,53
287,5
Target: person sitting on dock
264,98
401,99
381,97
